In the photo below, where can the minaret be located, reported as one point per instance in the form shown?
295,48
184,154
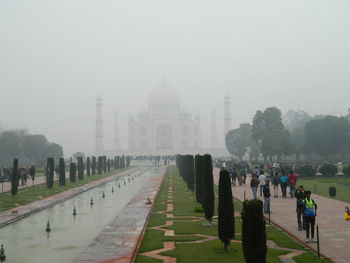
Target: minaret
99,126
227,116
116,143
214,136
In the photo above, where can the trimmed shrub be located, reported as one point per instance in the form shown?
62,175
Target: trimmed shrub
108,165
72,172
328,170
50,168
208,200
88,166
306,170
15,178
332,191
80,168
93,165
32,172
190,172
225,209
61,172
253,232
199,168
99,164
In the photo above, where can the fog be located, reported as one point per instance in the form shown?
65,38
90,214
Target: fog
57,56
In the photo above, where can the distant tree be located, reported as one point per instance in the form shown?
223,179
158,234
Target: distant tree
199,173
72,172
55,150
238,140
104,164
50,168
88,166
328,170
80,168
208,188
78,154
225,209
99,164
253,232
15,178
326,136
108,165
258,129
61,172
93,165
11,144
34,147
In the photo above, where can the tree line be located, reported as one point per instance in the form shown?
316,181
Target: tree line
297,136
30,148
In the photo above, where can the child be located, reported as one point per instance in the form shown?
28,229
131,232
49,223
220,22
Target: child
347,213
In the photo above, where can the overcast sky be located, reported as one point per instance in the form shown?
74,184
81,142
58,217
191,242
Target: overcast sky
57,56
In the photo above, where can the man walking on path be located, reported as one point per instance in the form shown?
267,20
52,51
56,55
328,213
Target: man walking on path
310,208
275,183
300,196
262,182
292,181
267,195
254,183
283,180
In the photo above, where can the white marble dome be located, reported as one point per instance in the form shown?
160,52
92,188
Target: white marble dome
163,96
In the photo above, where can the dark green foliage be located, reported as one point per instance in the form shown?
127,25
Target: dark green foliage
72,172
15,178
50,168
238,140
62,172
253,232
93,165
128,160
332,191
306,170
199,174
80,168
328,170
190,172
208,200
104,164
99,164
88,166
225,209
346,170
108,165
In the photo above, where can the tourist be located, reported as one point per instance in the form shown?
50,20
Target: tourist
262,181
300,196
292,181
267,194
234,177
254,183
243,173
347,213
310,208
275,183
283,180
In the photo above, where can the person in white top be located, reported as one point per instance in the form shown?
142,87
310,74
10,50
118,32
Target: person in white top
262,182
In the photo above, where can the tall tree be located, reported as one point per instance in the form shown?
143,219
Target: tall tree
80,168
93,165
15,178
209,196
225,209
61,172
50,169
88,166
72,172
238,140
199,174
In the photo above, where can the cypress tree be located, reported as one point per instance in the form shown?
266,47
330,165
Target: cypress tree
115,163
50,168
108,165
208,182
225,209
15,178
93,165
99,165
253,232
62,172
190,172
104,164
199,166
72,172
88,166
80,168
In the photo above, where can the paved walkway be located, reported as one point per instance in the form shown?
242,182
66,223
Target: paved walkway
334,230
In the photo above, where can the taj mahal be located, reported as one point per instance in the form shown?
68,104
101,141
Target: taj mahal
163,128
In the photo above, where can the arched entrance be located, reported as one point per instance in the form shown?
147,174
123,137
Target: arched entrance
164,137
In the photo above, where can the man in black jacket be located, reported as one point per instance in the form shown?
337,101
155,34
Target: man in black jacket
300,196
267,194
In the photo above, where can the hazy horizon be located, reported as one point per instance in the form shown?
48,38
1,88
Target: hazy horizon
56,57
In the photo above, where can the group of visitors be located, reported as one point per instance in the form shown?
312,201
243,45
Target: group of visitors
6,174
238,175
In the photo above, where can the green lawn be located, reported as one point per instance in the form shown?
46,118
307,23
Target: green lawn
321,185
28,195
184,205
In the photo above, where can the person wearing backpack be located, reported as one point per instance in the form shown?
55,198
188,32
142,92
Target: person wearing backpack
283,180
310,209
275,183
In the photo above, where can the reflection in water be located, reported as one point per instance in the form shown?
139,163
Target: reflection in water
27,241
